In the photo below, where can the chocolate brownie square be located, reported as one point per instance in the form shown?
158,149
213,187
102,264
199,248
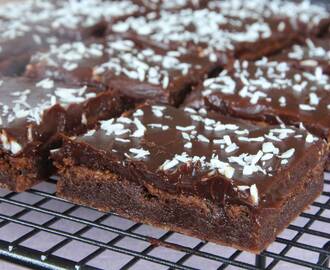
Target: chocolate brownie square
35,25
137,68
303,17
68,62
272,92
307,55
157,5
203,174
213,33
31,115
142,70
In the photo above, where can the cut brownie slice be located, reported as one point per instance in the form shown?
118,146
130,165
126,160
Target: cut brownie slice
142,70
36,24
304,17
69,62
273,92
32,113
213,33
157,5
203,174
310,54
138,69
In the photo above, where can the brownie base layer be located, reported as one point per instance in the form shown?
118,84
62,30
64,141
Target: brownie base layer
33,164
21,172
327,164
233,224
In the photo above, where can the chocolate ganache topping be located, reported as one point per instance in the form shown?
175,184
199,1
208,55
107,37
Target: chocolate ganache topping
197,153
273,91
30,110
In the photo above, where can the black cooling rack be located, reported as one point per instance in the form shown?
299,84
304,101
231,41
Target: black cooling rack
41,231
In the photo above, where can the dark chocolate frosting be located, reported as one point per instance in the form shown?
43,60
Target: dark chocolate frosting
33,25
309,54
224,27
33,111
273,91
139,69
198,153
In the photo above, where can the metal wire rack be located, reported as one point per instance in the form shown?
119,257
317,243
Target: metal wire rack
41,231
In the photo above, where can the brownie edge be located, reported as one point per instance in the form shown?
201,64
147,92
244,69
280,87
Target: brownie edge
120,167
232,225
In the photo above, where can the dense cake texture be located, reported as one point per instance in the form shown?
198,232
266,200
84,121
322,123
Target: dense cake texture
136,68
200,173
31,113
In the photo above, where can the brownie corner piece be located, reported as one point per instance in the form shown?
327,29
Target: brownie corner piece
33,113
198,173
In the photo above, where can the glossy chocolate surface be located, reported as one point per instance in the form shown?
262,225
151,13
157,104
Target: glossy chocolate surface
273,91
70,62
301,16
308,55
137,68
33,111
221,28
32,26
195,153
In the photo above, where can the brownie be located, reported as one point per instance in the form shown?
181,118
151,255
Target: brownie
203,174
32,27
307,55
137,68
68,62
272,92
142,70
157,5
212,33
32,113
303,17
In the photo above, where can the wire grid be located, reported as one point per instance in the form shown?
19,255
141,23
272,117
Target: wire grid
41,231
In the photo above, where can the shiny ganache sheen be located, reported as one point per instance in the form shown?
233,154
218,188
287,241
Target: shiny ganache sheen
197,154
138,69
247,29
35,25
274,92
307,55
33,111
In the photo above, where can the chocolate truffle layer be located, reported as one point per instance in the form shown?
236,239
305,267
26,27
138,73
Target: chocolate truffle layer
200,173
32,113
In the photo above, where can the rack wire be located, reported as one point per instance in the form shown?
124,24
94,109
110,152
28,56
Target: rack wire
41,231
